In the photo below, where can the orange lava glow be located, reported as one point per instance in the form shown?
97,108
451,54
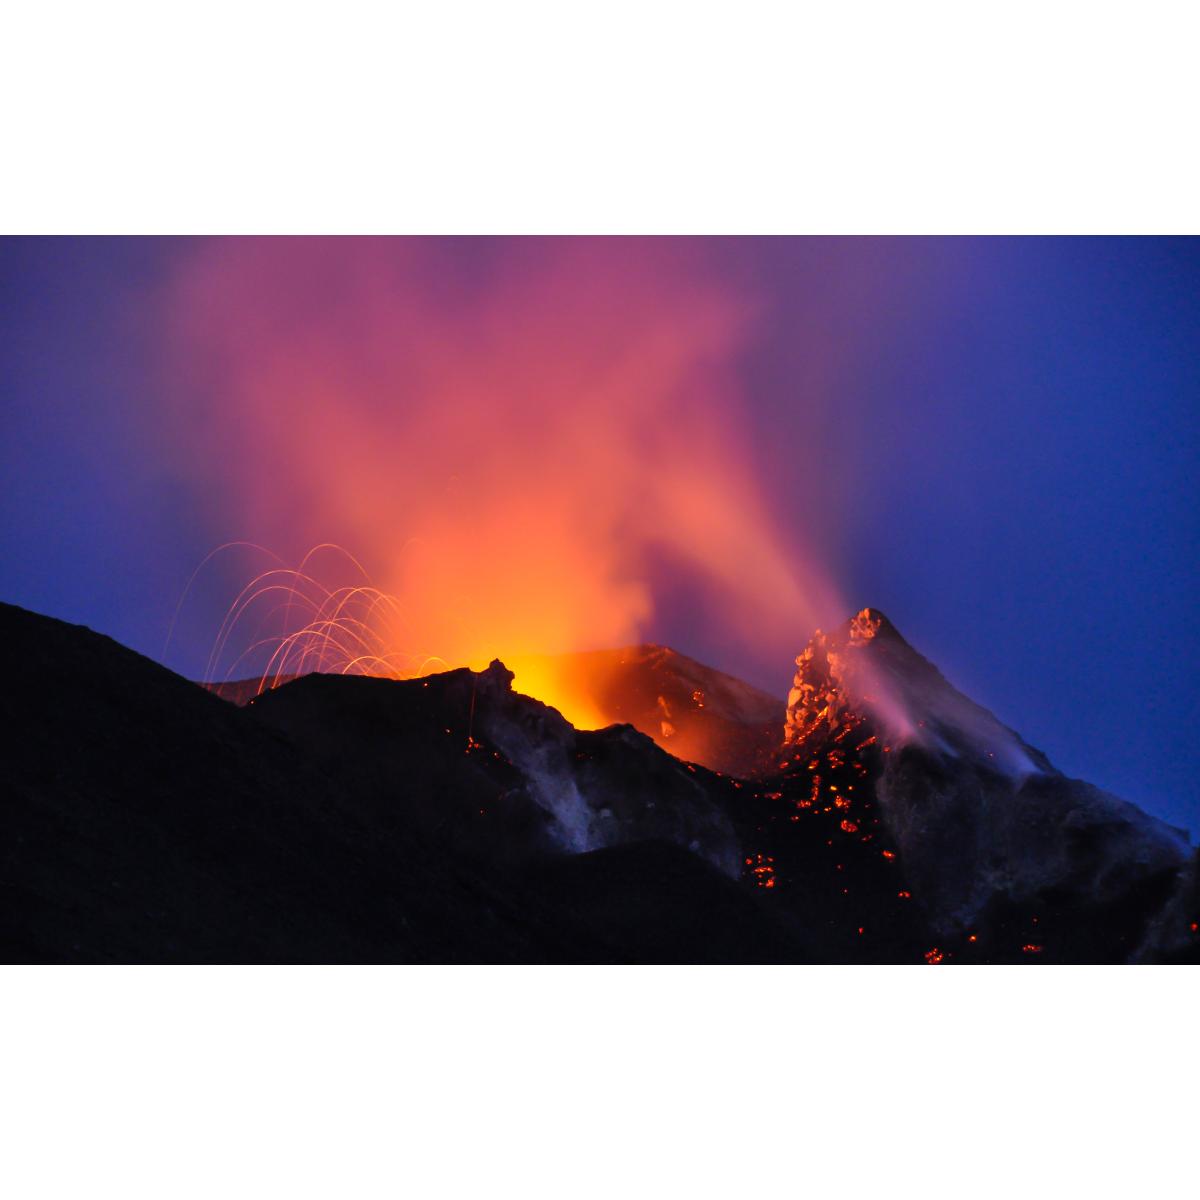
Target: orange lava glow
554,684
513,458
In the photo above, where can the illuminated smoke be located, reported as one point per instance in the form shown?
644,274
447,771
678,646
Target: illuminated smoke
523,441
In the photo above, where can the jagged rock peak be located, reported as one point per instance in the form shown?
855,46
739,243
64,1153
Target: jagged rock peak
866,625
818,691
497,676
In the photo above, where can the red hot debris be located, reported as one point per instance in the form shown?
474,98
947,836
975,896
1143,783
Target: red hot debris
762,868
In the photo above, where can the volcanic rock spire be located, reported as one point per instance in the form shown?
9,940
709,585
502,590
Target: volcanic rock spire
823,691
865,670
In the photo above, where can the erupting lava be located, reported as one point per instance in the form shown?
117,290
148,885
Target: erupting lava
534,456
286,623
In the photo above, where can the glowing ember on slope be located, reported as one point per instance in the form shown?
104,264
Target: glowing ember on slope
762,869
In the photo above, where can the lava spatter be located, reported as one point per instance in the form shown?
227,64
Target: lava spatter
812,830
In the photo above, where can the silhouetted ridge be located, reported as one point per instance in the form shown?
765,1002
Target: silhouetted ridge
148,821
451,818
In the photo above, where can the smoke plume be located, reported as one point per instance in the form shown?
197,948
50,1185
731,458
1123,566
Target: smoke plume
520,443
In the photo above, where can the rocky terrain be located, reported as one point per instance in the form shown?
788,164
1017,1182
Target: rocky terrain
345,819
1003,856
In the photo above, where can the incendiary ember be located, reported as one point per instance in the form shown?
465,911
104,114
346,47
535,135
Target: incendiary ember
762,870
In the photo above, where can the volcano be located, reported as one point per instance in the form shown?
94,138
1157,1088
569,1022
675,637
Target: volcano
878,815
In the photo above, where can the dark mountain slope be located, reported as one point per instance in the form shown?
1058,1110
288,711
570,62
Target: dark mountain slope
145,820
644,896
1003,857
495,774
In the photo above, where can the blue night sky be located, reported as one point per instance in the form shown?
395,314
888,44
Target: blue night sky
993,440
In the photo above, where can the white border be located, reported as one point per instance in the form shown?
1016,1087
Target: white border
540,1082
645,118
627,117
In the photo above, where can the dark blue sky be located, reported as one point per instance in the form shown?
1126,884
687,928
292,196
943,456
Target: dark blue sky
993,440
